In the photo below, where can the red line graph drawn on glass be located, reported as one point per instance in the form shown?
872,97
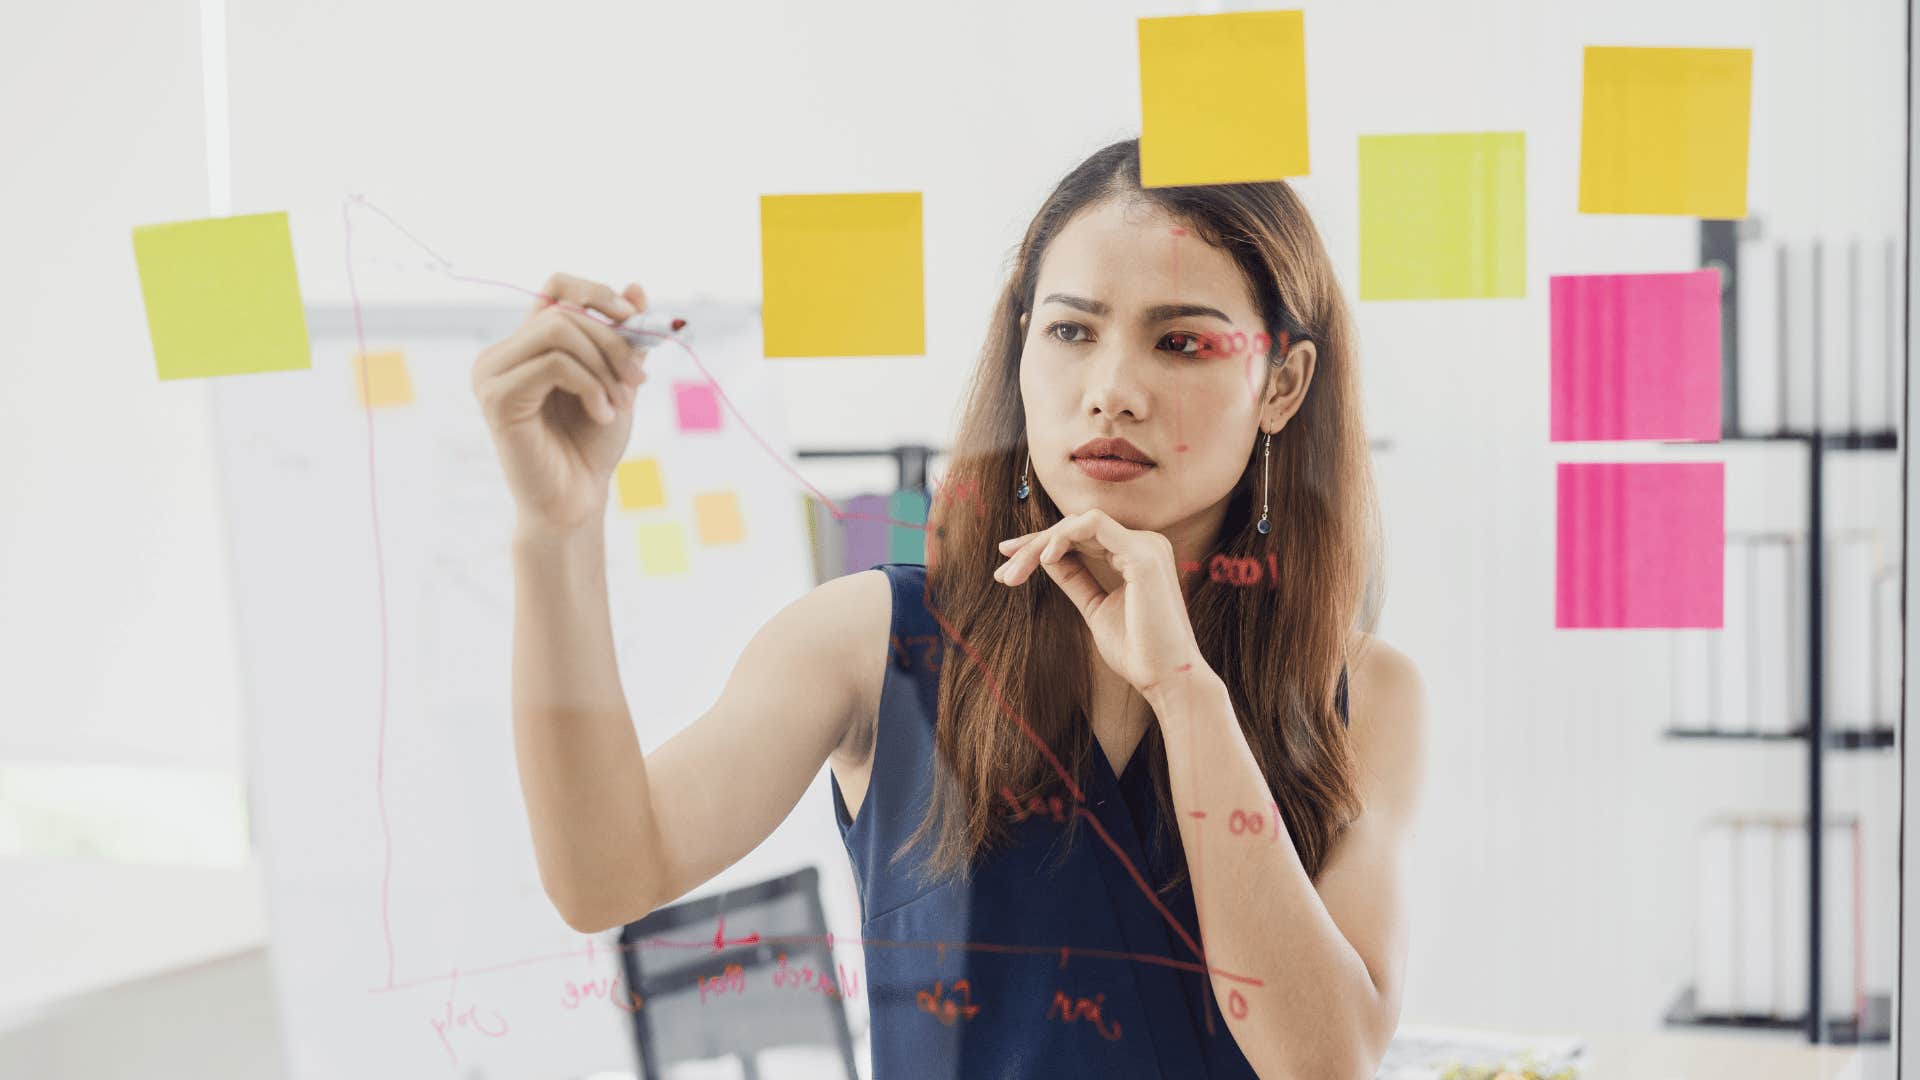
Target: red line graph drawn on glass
492,1026
948,1010
444,266
1070,1009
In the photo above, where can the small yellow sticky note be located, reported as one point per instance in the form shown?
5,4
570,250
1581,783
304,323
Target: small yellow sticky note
638,480
716,516
222,297
662,549
1223,98
841,275
1443,217
380,379
1664,131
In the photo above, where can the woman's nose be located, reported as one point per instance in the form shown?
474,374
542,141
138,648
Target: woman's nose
1114,385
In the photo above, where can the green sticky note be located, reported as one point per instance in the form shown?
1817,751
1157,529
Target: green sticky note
663,549
906,544
222,297
1443,217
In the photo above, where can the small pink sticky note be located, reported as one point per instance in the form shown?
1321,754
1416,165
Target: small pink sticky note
1636,356
1640,545
698,409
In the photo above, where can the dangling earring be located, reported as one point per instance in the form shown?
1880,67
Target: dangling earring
1021,491
1266,472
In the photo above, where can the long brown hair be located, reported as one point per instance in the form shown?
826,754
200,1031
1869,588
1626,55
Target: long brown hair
1280,650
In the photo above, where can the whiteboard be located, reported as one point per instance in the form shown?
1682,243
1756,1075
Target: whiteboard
410,934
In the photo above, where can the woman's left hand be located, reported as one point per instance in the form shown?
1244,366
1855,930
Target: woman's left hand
1141,628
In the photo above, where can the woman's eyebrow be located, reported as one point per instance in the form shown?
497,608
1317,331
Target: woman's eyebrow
1154,314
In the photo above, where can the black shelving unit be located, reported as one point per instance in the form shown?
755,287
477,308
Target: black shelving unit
1720,249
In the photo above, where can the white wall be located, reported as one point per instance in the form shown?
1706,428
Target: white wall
115,629
1557,842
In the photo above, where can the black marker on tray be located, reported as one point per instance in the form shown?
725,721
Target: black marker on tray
647,328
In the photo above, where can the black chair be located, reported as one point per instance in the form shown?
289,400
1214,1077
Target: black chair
748,1014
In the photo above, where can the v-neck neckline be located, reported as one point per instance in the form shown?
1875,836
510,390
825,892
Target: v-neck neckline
1133,757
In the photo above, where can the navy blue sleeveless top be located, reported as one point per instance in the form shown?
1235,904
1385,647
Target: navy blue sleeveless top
1047,962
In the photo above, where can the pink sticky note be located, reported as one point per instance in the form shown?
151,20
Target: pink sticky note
1636,356
699,410
1640,545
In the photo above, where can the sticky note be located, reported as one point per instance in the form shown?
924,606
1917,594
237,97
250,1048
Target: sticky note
663,549
1640,545
716,516
696,406
1664,131
222,297
1636,356
1443,217
380,379
638,481
1223,98
907,543
841,275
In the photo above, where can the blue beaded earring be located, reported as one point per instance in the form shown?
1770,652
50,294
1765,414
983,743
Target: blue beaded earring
1021,491
1266,471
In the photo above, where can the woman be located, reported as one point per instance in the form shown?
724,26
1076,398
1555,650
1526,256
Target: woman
1108,807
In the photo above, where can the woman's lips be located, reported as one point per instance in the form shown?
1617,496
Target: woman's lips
1112,470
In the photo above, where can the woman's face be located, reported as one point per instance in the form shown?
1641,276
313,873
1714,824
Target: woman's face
1116,346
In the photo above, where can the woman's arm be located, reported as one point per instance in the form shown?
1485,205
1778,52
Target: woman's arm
618,833
1330,955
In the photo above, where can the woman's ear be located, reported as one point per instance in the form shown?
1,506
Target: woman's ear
1287,385
1023,325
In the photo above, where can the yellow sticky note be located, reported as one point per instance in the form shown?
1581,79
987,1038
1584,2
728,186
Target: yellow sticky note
638,481
380,379
1443,217
1223,98
716,516
1664,131
662,549
841,275
222,297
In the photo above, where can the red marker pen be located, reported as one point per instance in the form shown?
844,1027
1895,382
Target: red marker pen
647,328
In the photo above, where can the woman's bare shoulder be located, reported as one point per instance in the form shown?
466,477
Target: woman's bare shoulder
852,617
1388,710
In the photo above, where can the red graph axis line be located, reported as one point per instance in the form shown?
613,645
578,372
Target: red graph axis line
379,561
1062,951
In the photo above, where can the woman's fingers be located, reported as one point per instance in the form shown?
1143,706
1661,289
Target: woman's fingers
1072,577
559,329
577,296
1093,534
518,393
580,292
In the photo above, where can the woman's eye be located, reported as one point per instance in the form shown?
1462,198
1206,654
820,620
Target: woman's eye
1188,344
1055,329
